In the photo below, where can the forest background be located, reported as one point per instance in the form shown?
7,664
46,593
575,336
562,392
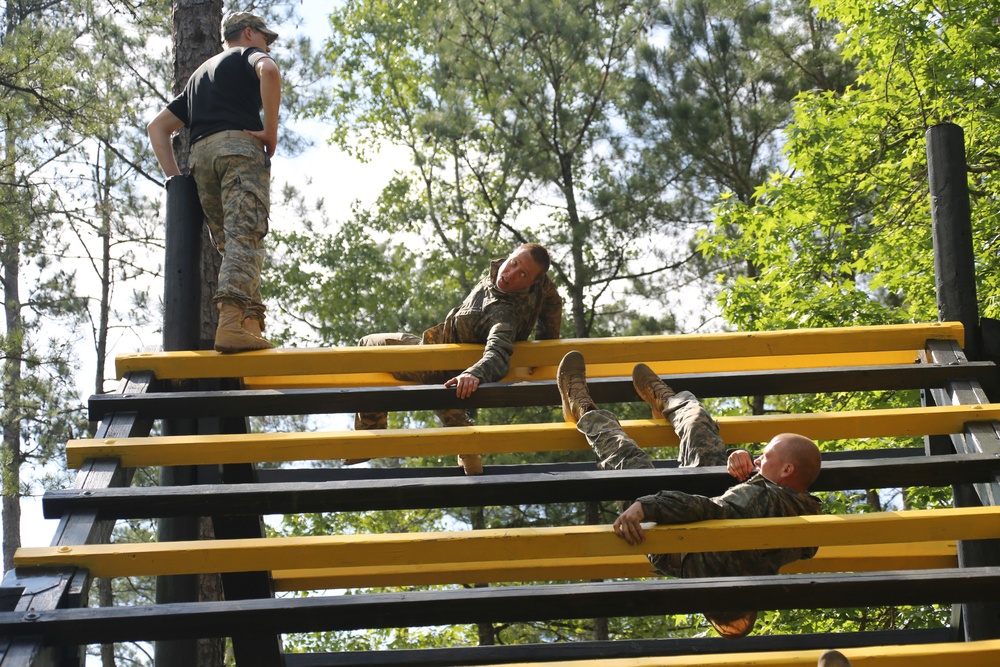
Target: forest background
693,165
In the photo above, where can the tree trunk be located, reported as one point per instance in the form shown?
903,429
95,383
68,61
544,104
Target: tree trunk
13,352
197,37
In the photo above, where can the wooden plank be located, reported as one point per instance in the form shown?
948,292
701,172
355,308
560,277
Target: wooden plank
864,558
523,485
970,654
271,447
603,390
502,604
630,648
671,367
247,555
311,361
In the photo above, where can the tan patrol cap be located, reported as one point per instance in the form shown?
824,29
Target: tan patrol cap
240,20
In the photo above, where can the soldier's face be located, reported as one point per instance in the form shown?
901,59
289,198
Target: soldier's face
771,463
518,272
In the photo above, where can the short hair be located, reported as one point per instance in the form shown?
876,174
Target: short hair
539,255
833,658
803,453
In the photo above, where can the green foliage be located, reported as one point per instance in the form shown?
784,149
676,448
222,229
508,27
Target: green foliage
844,236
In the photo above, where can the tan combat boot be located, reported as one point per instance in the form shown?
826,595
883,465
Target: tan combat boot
572,381
253,327
651,389
472,464
367,421
230,336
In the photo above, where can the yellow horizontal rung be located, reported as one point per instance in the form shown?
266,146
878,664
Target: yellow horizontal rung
648,433
865,558
676,367
984,653
243,555
625,350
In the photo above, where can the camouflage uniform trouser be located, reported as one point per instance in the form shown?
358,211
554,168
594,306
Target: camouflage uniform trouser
700,445
233,175
374,420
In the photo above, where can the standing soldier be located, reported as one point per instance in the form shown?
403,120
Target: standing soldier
231,152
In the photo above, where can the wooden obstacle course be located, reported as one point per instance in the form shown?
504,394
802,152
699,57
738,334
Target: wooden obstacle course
912,563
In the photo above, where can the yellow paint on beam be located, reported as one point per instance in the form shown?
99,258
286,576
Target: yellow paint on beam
964,654
676,367
648,433
623,350
246,555
865,558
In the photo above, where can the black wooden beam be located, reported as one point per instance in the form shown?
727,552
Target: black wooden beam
617,650
493,489
361,473
979,620
70,588
519,394
502,605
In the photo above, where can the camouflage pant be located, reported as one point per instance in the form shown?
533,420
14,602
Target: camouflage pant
233,175
700,445
374,420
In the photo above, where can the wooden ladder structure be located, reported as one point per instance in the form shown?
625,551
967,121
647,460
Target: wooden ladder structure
945,556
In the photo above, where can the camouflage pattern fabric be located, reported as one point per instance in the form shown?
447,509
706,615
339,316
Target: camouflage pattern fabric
379,420
233,176
700,445
488,317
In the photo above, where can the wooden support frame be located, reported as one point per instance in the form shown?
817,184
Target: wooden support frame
603,390
247,448
248,555
502,604
581,483
310,361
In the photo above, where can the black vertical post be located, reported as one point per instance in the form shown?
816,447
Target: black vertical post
951,219
181,331
955,275
182,266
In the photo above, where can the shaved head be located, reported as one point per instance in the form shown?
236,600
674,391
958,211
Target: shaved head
802,454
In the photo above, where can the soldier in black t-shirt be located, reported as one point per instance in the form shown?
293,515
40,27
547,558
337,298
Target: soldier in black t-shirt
231,150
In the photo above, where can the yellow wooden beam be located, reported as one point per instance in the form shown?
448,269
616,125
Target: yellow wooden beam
675,367
623,350
864,558
984,653
245,555
648,433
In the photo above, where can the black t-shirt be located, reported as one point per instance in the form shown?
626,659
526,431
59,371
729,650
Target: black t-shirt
222,94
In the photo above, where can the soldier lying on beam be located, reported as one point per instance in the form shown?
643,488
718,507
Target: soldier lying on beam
514,298
774,484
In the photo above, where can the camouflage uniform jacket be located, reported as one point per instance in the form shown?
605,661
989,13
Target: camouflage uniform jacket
496,319
755,498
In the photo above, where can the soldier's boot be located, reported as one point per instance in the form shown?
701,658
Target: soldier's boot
652,389
367,421
571,378
253,327
472,464
230,336
732,624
